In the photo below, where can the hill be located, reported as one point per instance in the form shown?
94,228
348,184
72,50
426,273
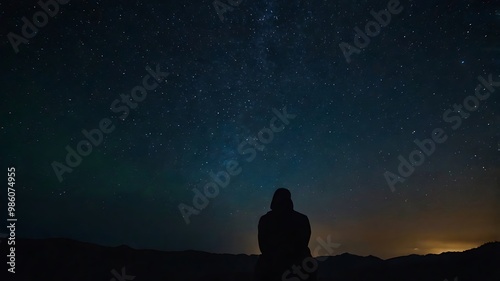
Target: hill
64,259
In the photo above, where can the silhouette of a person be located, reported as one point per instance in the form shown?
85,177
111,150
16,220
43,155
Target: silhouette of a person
283,241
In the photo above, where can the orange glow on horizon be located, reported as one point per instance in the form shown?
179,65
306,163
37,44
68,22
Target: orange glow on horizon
438,247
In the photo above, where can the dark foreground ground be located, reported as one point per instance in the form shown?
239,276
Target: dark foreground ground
65,260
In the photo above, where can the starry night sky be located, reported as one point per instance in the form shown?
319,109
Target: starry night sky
224,80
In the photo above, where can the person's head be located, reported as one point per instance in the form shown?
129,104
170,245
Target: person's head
282,200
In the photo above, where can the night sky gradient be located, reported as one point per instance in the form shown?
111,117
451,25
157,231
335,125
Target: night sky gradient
224,79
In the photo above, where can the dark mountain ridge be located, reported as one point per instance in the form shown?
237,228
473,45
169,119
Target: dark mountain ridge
65,259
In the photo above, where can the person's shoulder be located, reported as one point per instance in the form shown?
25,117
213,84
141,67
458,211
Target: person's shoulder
300,215
266,216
